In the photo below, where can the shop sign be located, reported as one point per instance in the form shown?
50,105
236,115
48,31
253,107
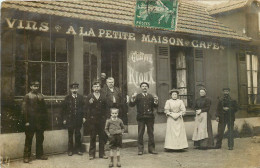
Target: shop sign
110,34
140,68
156,14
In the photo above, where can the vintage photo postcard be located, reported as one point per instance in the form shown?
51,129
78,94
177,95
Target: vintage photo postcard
130,83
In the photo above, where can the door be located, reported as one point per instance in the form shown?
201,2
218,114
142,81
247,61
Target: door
163,75
199,71
92,64
242,77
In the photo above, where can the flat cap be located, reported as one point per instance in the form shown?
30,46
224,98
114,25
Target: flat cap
226,89
74,85
144,83
35,83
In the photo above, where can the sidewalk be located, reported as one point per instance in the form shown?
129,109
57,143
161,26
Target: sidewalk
246,154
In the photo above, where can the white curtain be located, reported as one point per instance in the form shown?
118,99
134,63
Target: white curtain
181,76
255,67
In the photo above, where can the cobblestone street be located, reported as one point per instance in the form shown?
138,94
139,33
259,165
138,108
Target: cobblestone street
245,155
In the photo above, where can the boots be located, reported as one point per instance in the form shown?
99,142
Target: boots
118,161
111,164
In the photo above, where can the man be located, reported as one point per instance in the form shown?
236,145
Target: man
96,115
73,117
103,78
114,99
226,116
145,103
35,116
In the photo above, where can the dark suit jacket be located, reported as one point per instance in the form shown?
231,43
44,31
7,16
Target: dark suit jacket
144,105
73,111
96,111
109,99
35,111
227,115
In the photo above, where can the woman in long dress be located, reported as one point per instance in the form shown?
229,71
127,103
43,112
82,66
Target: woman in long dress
203,135
175,138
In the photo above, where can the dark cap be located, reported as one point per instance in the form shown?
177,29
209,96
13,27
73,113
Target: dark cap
144,83
226,89
174,90
74,85
35,83
95,83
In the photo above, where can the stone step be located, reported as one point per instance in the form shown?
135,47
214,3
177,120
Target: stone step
125,144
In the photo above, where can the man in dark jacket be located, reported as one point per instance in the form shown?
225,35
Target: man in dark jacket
145,103
96,115
226,116
114,99
35,117
74,117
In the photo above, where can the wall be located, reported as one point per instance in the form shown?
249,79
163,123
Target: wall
220,71
235,20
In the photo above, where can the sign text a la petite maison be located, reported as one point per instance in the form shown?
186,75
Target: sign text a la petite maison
110,34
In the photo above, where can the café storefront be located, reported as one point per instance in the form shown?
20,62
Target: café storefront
57,49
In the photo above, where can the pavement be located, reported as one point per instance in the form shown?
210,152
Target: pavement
246,154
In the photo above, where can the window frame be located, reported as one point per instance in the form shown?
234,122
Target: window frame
27,60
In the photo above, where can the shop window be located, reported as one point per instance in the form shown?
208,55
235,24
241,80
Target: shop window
41,58
252,66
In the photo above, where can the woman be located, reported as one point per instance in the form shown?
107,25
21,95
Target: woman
203,136
175,131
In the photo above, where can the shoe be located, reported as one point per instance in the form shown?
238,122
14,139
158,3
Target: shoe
230,148
118,164
153,152
104,157
91,157
111,164
140,153
70,153
42,158
26,160
80,153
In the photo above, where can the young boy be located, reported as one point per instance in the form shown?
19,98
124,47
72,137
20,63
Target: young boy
114,129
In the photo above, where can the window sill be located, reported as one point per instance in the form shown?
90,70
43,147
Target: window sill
190,112
50,100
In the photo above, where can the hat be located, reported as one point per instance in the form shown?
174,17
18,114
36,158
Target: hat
35,83
74,85
174,90
226,89
144,83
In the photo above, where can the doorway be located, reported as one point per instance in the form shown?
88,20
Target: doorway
104,56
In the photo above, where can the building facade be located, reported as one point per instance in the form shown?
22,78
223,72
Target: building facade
58,43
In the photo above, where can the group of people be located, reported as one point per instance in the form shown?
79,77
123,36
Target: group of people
175,138
102,108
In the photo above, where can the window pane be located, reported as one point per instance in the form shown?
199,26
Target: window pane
20,78
34,48
248,62
48,79
61,79
34,72
46,55
21,46
61,49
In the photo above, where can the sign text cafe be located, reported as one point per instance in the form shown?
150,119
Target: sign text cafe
111,34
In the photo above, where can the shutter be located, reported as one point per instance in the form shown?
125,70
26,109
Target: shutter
199,70
163,75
